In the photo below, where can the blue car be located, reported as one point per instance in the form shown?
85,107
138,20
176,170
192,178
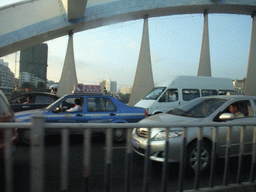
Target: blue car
92,109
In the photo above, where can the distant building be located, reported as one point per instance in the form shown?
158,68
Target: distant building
102,84
33,60
239,85
111,86
125,90
6,76
29,78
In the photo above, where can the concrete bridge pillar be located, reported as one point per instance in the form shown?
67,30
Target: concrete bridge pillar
143,81
204,68
68,77
250,82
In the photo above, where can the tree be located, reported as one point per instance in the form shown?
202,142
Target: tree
41,86
26,85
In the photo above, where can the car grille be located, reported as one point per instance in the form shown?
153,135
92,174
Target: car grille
142,133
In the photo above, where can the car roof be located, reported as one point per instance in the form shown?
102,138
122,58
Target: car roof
232,97
38,93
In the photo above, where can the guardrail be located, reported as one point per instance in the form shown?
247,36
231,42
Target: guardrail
38,126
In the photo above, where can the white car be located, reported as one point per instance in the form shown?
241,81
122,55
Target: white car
200,110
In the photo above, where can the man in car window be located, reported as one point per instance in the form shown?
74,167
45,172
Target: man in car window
28,100
234,108
77,106
172,96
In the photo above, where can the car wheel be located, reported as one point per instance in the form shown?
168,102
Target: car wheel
25,136
205,158
119,135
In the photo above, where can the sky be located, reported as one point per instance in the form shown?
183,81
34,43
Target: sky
111,52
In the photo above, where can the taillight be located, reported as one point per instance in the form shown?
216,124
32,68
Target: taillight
146,112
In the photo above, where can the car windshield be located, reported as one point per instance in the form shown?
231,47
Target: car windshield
199,108
53,104
153,95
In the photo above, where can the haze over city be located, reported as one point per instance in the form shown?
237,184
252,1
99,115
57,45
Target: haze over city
112,52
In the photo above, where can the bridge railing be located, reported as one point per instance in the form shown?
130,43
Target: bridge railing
38,126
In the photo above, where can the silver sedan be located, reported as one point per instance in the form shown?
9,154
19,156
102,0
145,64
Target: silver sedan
235,109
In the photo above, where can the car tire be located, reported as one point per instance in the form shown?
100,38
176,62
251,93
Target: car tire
205,157
25,136
119,135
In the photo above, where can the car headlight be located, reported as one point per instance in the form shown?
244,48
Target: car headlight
162,135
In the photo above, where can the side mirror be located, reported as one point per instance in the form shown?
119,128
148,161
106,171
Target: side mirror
226,116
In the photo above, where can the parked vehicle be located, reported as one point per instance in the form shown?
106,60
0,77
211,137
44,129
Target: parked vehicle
95,109
200,110
178,90
38,100
6,115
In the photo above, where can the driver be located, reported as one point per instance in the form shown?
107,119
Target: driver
77,106
234,108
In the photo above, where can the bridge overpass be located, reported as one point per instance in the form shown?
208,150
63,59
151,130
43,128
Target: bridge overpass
31,22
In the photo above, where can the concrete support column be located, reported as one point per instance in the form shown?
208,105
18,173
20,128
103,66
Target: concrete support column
68,77
250,82
204,68
143,81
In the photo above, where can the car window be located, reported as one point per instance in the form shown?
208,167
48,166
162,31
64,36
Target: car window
99,104
67,104
198,108
109,105
189,94
43,99
243,107
4,108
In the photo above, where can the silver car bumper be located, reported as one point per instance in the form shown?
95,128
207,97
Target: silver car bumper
157,148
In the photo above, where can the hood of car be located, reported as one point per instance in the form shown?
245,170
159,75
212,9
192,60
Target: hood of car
24,116
144,103
166,118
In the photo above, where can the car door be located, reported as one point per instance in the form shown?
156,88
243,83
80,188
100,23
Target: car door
101,110
169,100
58,113
236,130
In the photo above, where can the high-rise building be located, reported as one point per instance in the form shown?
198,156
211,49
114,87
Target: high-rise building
33,60
111,86
6,76
125,90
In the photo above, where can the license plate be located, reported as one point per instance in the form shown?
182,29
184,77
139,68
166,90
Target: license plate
135,143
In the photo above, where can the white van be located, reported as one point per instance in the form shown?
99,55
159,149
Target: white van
177,90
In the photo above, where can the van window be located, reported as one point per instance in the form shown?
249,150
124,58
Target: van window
189,94
155,93
208,92
224,92
170,95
